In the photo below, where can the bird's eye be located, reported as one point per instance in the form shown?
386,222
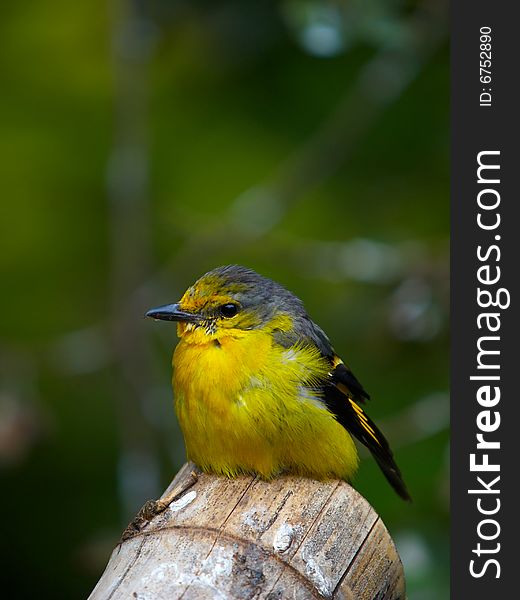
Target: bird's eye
228,310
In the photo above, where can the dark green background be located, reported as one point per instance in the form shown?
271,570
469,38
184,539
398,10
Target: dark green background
144,143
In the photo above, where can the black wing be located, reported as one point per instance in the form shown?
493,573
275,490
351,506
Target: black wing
340,398
305,330
341,394
346,381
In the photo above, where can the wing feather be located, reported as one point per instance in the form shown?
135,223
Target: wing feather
346,381
341,394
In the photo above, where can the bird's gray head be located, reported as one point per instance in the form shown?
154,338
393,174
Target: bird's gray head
232,297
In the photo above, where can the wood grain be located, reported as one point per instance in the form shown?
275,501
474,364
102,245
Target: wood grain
290,538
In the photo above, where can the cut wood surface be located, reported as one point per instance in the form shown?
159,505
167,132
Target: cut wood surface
244,538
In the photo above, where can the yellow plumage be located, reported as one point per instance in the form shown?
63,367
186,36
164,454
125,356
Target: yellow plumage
258,387
243,407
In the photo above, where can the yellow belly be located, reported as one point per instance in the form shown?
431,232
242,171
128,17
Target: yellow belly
243,408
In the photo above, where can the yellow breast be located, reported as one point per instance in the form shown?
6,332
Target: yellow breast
245,404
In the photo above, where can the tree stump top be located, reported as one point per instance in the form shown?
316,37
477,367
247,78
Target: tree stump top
245,538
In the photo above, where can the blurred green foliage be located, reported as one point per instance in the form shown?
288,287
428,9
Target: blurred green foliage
145,143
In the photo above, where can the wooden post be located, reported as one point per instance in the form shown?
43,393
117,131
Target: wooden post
245,538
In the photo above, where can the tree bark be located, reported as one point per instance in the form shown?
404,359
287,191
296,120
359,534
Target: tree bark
246,538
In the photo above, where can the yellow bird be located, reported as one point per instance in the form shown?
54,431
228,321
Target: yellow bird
258,387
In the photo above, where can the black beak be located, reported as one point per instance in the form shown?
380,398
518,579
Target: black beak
171,312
